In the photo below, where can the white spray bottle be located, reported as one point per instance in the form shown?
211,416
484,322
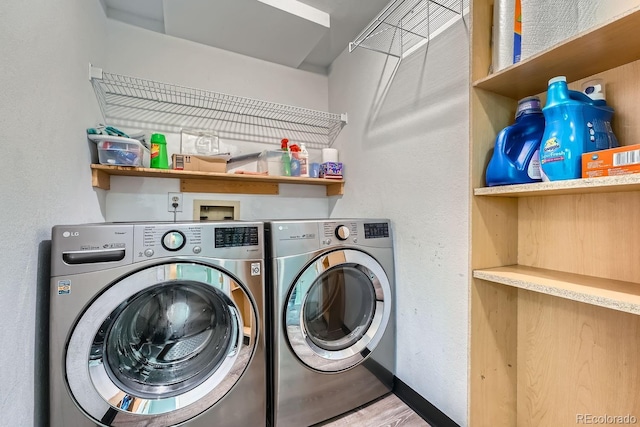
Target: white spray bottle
304,161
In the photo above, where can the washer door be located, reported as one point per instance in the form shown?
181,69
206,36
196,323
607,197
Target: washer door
160,346
337,310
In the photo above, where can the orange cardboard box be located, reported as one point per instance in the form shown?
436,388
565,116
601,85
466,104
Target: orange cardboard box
614,161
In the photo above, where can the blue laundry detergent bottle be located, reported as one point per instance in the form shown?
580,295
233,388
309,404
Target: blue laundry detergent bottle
574,124
516,157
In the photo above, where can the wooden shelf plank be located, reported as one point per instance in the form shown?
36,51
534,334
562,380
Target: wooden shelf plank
191,181
604,184
194,185
594,51
613,294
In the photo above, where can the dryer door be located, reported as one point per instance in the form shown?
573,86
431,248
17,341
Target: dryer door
161,346
338,310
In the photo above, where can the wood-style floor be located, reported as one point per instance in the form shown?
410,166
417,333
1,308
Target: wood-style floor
389,411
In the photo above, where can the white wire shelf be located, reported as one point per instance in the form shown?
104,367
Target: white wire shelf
138,103
404,25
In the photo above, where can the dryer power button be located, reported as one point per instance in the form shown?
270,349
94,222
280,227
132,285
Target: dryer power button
342,232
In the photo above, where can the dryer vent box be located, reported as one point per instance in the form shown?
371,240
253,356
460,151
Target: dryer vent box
216,210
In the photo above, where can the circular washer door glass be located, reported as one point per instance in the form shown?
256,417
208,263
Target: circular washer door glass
161,345
168,339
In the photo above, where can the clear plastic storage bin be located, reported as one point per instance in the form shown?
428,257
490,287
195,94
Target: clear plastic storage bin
272,162
119,151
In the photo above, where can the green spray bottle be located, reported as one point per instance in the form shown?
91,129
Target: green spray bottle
286,158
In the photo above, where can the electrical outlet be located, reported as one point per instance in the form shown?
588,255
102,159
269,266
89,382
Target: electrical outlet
175,198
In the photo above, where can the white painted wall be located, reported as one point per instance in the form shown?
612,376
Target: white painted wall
406,158
141,53
46,103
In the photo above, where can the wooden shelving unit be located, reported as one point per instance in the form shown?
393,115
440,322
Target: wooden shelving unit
608,46
555,288
605,184
613,294
209,182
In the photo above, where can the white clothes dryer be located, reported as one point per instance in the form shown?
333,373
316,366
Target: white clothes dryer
332,342
157,324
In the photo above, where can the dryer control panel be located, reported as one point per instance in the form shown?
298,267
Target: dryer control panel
344,231
296,237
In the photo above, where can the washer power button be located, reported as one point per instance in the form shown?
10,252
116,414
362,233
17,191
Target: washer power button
173,240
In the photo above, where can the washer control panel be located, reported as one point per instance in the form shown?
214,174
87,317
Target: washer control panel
156,240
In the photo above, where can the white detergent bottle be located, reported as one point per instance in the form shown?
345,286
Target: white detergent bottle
304,161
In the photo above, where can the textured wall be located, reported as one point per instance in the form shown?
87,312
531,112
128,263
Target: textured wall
47,102
406,158
141,53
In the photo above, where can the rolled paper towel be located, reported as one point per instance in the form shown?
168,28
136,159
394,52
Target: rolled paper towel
329,155
503,14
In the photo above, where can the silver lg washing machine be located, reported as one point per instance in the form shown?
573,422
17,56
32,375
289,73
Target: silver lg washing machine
157,324
333,328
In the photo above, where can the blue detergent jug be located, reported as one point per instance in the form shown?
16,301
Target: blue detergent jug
516,158
574,124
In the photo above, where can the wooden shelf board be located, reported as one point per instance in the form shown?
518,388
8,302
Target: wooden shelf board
613,294
602,48
191,181
604,184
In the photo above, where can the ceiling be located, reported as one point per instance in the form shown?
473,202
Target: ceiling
304,34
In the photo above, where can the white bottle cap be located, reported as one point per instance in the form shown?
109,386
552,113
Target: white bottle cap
558,79
593,91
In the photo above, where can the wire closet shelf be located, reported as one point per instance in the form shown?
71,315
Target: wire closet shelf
133,102
405,25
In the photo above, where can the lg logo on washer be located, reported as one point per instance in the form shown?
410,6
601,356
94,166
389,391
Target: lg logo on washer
71,234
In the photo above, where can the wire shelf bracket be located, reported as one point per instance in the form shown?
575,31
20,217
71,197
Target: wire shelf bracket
405,25
138,103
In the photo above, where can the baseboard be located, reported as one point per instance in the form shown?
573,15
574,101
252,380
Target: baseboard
420,405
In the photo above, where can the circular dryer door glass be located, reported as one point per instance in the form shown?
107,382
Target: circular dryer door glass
339,307
337,310
169,339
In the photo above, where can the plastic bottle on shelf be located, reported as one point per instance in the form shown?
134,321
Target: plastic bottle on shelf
304,161
295,159
159,156
574,124
516,154
286,158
